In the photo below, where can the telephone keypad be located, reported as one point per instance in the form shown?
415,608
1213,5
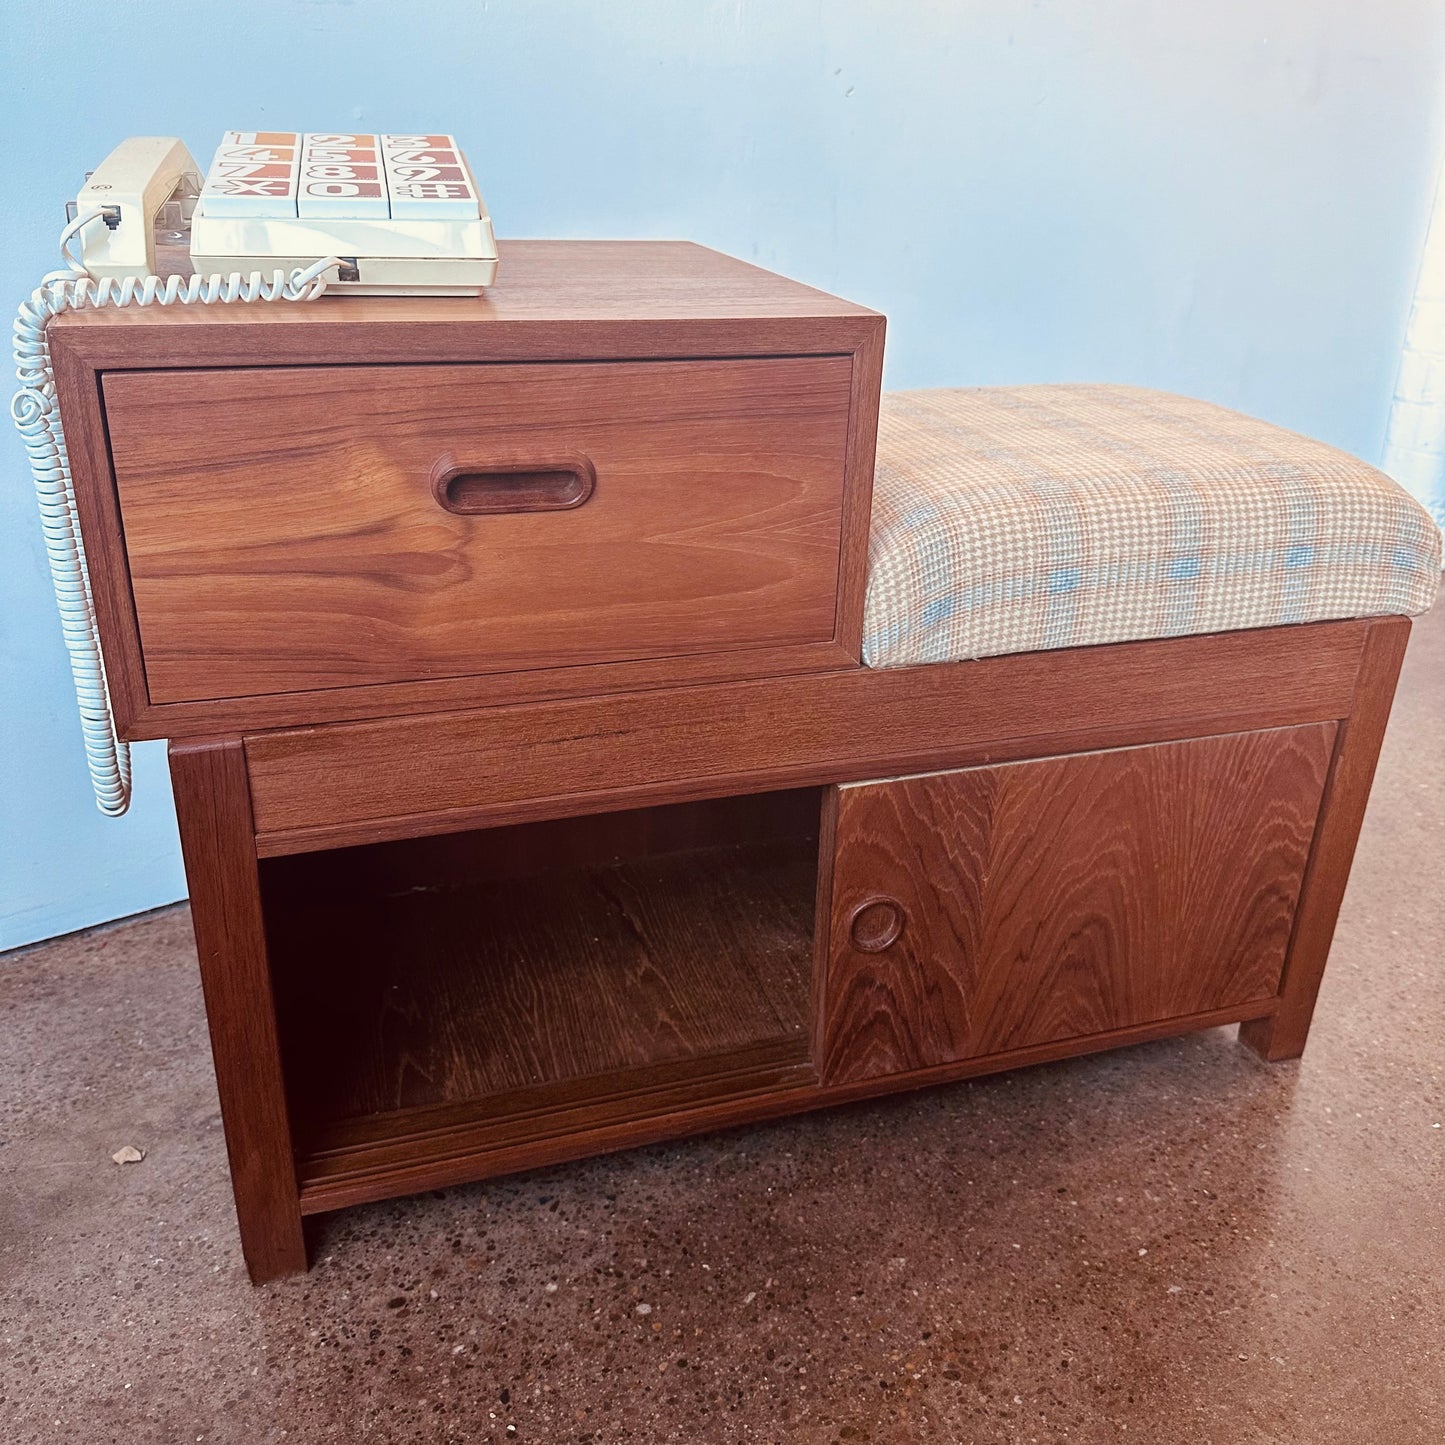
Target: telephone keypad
275,175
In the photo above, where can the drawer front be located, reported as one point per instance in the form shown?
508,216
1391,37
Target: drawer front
292,529
997,908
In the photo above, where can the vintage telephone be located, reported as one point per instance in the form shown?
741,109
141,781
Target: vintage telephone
280,216
390,214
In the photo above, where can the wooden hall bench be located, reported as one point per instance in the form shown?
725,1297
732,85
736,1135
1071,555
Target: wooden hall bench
563,761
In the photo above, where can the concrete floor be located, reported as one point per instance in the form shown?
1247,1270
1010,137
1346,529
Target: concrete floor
1171,1243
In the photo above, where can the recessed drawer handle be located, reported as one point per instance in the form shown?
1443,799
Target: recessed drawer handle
477,488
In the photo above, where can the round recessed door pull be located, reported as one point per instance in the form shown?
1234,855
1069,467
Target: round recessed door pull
876,924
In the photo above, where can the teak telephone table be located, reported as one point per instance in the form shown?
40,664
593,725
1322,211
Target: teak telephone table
528,774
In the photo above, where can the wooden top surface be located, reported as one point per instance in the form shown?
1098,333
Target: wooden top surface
553,300
542,281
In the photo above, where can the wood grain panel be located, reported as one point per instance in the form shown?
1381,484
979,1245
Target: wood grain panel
215,821
480,690
556,301
1352,770
553,300
282,532
858,503
87,448
360,781
397,996
411,1151
1064,897
456,860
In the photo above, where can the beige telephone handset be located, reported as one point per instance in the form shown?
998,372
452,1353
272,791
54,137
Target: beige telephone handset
280,216
129,189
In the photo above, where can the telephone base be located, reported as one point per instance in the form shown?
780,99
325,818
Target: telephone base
376,275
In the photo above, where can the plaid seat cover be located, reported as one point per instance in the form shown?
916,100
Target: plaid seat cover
1013,519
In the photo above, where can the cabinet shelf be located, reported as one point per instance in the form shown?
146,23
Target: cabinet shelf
455,983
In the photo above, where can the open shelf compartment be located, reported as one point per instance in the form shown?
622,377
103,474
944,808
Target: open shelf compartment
451,984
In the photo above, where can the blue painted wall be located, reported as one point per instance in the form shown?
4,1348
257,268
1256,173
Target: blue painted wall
1227,199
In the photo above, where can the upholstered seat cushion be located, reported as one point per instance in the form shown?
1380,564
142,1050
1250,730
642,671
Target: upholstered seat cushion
1011,519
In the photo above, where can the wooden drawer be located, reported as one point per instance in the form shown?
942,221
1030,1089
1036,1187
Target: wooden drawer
994,909
320,527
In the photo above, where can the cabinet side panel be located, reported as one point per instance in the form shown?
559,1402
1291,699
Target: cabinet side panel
1352,771
78,392
1042,901
867,382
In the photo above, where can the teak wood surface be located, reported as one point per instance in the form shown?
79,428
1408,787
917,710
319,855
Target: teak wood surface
444,997
213,808
314,554
577,300
669,310
533,798
1352,770
991,909
395,997
360,782
1254,768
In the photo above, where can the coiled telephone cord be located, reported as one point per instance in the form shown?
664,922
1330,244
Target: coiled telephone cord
37,418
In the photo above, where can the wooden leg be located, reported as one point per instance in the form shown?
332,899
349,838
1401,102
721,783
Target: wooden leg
213,804
1347,789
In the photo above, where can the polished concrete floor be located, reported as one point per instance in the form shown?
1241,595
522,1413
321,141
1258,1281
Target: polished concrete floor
1173,1243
